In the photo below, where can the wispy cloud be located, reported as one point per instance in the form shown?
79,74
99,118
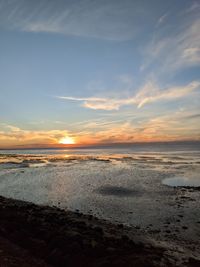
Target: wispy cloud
176,126
111,20
161,19
179,125
195,6
151,93
178,49
148,94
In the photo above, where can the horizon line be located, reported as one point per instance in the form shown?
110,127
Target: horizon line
102,145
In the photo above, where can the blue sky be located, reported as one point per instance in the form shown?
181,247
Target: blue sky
99,71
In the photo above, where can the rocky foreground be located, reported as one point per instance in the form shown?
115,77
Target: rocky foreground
32,235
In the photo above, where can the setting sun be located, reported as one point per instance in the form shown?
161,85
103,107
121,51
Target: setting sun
67,141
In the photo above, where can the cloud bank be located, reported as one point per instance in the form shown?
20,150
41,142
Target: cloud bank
12,135
180,125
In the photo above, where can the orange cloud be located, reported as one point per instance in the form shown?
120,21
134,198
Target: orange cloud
14,136
182,125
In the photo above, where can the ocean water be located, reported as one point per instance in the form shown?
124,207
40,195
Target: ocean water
132,185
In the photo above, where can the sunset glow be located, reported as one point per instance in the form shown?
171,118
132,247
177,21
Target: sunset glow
131,77
100,127
67,141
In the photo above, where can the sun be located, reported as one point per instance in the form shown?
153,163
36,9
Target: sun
67,140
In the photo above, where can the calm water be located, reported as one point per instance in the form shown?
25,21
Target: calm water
125,185
124,149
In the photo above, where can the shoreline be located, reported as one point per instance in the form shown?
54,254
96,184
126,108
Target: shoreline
33,235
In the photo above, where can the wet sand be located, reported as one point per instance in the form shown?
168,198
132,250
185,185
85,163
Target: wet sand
33,235
151,219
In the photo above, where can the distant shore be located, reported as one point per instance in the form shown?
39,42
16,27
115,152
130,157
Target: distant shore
32,235
152,145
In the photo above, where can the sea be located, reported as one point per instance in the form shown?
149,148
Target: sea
131,184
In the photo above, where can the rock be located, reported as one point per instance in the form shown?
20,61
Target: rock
125,237
111,250
74,248
98,229
193,262
90,217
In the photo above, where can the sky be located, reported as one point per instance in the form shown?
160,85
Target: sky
98,71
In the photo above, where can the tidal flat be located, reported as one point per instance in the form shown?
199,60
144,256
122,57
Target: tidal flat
125,191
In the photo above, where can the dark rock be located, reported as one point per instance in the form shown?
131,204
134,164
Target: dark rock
90,217
192,262
98,229
56,258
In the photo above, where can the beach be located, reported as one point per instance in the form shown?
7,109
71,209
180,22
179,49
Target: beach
100,133
101,209
32,235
